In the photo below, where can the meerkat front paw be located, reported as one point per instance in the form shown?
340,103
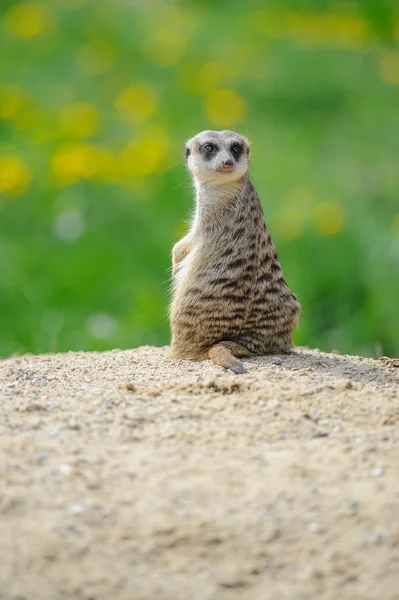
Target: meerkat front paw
180,251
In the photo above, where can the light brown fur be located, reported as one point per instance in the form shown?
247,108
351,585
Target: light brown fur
230,298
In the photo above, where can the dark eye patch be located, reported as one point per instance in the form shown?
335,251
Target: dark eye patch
209,149
236,149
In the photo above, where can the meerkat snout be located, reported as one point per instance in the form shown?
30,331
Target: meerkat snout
217,157
227,165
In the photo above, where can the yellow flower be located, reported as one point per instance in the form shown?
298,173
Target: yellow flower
145,155
290,220
27,20
75,161
12,100
224,108
15,175
329,217
288,224
389,67
197,78
329,29
79,120
300,197
31,119
137,103
173,29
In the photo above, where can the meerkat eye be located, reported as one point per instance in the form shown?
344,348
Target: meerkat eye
236,150
209,148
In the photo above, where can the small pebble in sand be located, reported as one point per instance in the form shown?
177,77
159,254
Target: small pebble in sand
382,537
313,415
76,509
65,469
316,527
377,471
272,403
41,457
352,506
318,433
53,433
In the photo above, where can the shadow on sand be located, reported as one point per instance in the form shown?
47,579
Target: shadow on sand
381,372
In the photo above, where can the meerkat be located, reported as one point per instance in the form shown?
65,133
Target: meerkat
229,296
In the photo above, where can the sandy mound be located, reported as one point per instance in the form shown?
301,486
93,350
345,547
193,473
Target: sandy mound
126,475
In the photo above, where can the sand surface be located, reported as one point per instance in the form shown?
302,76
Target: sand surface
127,475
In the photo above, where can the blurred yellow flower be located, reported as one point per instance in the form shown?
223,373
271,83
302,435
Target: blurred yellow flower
389,67
300,197
137,103
173,29
75,161
224,108
329,217
145,155
199,78
27,20
12,100
18,107
347,30
288,223
290,220
97,57
79,120
15,175
329,29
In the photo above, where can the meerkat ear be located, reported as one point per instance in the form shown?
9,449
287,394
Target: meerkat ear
187,151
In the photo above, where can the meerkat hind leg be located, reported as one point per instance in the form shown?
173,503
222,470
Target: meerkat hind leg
225,355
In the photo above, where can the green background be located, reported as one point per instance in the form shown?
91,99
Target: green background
96,101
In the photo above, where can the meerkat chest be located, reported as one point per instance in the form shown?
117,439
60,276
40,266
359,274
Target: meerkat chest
217,271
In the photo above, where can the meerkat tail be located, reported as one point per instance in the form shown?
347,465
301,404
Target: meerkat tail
225,355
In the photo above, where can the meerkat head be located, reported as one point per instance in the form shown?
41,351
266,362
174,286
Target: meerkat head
217,156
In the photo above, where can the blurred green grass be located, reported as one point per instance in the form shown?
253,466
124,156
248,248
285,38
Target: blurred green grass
96,102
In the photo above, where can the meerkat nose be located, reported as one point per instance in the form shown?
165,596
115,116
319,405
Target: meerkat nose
227,164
